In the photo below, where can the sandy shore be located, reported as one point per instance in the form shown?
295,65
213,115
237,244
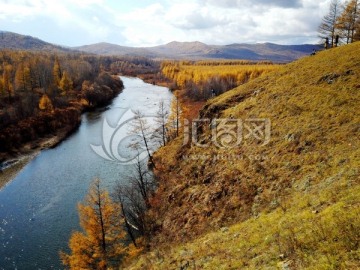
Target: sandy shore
14,164
9,173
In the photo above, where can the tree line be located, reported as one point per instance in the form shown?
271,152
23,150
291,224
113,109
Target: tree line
205,79
341,24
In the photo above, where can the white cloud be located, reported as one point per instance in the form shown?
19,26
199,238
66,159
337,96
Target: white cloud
146,22
193,16
88,19
144,26
253,3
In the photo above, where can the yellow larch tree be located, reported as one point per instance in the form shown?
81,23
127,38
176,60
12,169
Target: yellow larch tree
348,21
176,117
66,83
6,81
22,78
57,73
100,245
45,103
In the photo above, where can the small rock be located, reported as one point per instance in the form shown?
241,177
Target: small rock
224,229
285,265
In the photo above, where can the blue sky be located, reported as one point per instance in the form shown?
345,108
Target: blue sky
148,23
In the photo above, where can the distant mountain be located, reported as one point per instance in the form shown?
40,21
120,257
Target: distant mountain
182,49
198,50
9,40
113,49
262,51
173,50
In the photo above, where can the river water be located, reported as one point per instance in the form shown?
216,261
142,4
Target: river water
38,209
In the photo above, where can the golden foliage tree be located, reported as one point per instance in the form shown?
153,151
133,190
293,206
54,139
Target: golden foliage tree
176,117
349,21
100,245
7,85
66,83
22,78
45,103
201,77
57,74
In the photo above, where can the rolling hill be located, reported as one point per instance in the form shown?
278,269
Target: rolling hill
287,195
198,50
9,40
173,50
104,48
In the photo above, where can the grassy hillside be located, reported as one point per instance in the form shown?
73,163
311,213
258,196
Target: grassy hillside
291,202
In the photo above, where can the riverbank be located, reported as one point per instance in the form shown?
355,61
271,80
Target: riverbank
13,163
9,173
156,79
21,142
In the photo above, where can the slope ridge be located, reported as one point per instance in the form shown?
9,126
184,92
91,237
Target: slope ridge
282,194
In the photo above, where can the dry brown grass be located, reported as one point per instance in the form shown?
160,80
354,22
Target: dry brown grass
273,192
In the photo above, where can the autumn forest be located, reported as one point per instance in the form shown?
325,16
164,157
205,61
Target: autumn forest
225,163
43,92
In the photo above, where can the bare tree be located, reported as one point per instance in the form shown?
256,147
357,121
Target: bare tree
328,27
141,127
135,199
162,116
141,179
119,195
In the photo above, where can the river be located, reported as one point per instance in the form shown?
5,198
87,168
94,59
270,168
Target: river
38,209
